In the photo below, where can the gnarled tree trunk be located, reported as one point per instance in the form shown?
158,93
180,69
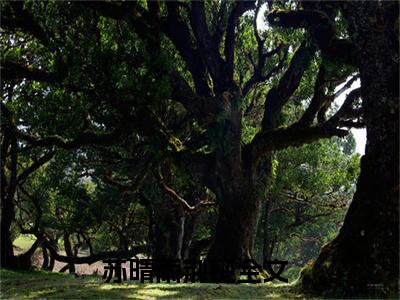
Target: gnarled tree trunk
365,254
239,184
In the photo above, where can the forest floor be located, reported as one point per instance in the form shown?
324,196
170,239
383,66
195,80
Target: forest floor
44,285
53,285
24,242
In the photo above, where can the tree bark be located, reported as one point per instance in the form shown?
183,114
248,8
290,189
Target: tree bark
236,227
68,251
266,232
45,263
8,260
366,251
240,183
168,237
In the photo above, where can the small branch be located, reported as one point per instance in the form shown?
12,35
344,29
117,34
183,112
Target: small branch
85,138
346,107
279,95
182,201
306,219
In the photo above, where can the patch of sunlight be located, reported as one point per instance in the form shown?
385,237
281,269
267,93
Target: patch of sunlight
156,292
118,286
24,241
171,285
274,295
42,293
281,285
141,291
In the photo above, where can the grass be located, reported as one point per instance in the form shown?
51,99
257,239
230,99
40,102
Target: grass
24,242
44,285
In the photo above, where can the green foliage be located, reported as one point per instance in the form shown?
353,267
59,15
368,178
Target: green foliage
313,188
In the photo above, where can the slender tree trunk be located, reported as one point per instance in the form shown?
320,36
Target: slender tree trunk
48,261
172,227
68,251
189,230
51,264
169,230
365,254
266,232
45,263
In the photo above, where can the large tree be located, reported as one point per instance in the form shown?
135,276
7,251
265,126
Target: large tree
365,254
108,59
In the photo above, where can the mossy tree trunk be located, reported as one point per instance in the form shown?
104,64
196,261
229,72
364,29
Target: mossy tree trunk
239,183
366,251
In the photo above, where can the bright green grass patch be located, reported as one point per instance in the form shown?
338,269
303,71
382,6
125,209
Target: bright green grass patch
24,241
39,284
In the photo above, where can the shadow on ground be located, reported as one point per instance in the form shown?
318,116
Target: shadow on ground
39,284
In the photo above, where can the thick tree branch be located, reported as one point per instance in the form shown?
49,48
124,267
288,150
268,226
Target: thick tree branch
202,107
220,23
206,44
229,49
278,96
36,165
297,134
16,16
346,86
16,71
321,29
292,136
178,32
318,99
85,138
